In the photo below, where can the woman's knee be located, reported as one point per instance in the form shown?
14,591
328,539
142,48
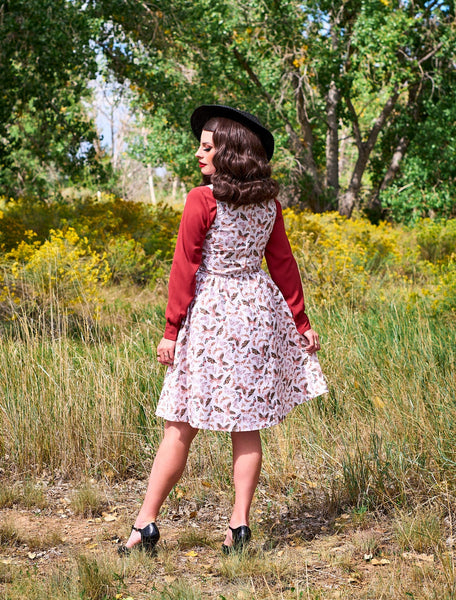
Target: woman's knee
248,440
180,431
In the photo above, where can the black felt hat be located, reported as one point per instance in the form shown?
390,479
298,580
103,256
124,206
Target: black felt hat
203,113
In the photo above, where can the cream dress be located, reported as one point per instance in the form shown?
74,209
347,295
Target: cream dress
240,363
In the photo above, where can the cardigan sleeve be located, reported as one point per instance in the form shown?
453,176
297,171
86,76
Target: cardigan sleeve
199,212
285,273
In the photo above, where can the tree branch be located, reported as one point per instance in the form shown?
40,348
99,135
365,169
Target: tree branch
355,124
246,66
430,54
303,152
347,200
380,121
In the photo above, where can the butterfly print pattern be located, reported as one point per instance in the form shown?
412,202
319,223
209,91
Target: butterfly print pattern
240,363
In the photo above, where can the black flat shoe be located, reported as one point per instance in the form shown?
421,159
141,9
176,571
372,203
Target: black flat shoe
241,536
149,538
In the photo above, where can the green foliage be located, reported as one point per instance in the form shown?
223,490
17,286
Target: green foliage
377,75
425,185
282,61
47,59
436,240
128,261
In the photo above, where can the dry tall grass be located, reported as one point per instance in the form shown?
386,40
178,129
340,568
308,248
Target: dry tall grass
383,437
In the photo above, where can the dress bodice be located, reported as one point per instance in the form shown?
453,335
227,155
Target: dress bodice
236,240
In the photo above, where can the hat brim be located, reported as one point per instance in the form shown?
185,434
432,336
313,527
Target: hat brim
203,113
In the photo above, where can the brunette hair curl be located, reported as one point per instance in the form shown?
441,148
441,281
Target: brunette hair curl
242,171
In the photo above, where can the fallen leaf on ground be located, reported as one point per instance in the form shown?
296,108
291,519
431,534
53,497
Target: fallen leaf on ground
380,562
110,518
191,553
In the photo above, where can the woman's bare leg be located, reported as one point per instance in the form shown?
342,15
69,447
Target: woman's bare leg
247,455
167,469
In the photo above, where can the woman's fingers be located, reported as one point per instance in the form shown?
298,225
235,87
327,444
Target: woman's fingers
165,351
314,341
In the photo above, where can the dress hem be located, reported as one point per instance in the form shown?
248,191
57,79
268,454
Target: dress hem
235,430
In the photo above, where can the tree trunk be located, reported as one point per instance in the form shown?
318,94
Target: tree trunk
150,178
348,199
398,155
306,157
332,141
347,202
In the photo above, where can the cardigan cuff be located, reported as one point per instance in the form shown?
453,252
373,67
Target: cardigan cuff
171,332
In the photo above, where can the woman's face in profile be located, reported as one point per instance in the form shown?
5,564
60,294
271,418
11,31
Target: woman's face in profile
205,153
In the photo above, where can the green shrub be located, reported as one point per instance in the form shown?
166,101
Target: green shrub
436,240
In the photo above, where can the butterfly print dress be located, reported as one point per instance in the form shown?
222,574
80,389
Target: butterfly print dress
240,360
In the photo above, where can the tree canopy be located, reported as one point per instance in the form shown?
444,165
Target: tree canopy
347,87
360,95
46,61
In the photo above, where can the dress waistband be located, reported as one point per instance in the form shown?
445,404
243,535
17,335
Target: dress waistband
233,272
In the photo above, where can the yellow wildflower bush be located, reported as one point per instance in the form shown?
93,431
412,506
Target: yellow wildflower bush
339,255
443,294
153,227
128,261
119,227
61,273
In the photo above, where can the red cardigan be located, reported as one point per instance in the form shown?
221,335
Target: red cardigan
199,213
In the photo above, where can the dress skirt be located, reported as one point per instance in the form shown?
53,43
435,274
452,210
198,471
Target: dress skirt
240,363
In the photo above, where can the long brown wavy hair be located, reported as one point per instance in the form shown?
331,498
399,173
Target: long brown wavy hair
242,171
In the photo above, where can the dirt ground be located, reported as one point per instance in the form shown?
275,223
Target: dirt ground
296,552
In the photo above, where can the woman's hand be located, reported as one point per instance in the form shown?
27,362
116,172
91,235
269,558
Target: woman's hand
165,351
314,342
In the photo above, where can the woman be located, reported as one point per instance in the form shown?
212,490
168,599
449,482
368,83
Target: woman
238,344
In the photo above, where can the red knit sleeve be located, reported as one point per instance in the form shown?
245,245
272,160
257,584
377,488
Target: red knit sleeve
198,215
285,273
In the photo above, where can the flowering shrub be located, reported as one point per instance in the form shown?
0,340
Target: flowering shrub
340,255
128,260
100,221
62,272
349,260
436,240
444,293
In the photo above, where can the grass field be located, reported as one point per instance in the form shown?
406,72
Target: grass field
363,475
